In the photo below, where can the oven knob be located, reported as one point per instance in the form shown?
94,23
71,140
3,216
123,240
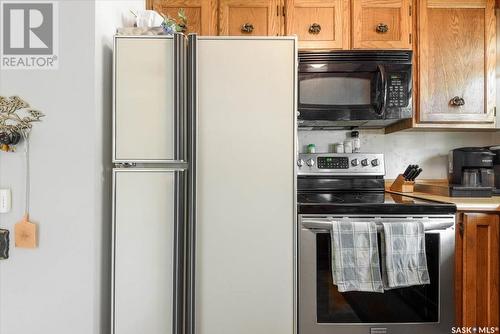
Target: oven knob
375,162
354,162
300,163
310,162
364,162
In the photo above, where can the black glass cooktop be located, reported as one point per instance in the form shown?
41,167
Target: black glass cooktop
366,202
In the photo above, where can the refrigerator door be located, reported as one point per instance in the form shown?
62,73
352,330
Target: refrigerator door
147,267
242,104
148,101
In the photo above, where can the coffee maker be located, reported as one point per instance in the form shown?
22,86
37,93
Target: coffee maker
471,172
496,169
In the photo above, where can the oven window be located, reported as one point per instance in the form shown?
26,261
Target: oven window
343,89
411,304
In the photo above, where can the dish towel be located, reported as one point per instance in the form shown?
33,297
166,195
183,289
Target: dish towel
355,257
403,255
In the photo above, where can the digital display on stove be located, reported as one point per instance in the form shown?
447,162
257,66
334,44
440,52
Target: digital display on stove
333,162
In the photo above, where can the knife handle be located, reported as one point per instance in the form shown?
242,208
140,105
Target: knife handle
407,170
417,174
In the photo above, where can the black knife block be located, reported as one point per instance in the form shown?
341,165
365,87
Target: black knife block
400,185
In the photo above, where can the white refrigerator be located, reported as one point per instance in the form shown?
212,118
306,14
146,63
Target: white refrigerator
204,206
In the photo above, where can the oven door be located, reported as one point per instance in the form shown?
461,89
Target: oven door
419,309
342,92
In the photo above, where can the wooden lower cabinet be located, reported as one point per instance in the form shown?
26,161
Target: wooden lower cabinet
477,269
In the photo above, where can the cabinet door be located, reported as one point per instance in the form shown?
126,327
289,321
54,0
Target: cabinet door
201,14
381,24
249,18
457,61
478,270
319,24
144,255
145,104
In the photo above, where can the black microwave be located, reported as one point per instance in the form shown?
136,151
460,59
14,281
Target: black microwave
343,89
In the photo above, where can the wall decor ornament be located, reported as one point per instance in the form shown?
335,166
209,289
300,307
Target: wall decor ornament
16,121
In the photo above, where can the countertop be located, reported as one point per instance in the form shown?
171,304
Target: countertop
462,203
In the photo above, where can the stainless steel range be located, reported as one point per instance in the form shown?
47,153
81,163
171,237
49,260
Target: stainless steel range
350,187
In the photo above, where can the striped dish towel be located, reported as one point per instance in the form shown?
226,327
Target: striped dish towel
403,255
355,257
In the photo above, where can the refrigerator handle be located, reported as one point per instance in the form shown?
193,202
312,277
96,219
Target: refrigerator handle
179,96
192,157
179,242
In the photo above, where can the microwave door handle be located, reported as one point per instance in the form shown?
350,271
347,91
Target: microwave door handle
383,77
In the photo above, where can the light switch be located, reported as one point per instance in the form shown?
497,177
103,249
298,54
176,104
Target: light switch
5,200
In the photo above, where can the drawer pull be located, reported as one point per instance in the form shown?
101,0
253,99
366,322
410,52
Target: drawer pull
382,28
247,28
457,101
314,28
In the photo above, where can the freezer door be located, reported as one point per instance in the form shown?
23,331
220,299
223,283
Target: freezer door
147,221
148,100
244,150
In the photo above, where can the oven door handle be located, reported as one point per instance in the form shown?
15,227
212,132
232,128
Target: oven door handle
383,78
325,226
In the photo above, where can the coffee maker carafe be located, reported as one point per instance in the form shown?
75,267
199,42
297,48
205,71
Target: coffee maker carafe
496,169
471,172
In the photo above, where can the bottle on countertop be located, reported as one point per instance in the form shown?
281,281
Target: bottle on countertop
356,142
339,147
311,148
348,146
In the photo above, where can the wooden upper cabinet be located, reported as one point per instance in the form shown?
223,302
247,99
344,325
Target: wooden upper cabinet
381,24
457,53
250,18
319,24
201,14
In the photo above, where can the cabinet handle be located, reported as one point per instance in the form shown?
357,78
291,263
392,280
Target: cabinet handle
382,28
457,101
314,28
247,28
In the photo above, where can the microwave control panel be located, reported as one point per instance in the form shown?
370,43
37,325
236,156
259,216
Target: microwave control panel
398,92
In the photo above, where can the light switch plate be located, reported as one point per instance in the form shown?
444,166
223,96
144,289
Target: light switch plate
5,200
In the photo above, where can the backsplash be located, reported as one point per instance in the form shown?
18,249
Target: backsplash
428,149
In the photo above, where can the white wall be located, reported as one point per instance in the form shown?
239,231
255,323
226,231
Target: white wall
52,289
63,286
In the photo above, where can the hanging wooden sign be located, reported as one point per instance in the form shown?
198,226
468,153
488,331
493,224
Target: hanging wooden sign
25,233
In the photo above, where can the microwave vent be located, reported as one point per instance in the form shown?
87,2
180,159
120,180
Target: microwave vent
353,56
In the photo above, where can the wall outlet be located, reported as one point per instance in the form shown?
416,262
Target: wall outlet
5,200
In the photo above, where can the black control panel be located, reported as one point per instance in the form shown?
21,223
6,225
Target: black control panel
397,94
333,162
